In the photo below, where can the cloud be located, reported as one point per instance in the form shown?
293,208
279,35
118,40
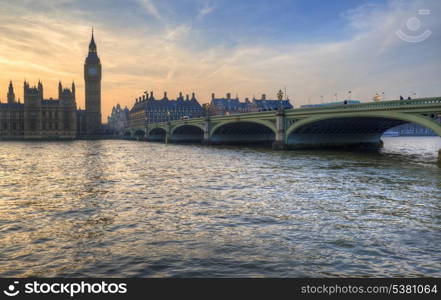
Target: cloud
151,9
182,55
207,9
178,33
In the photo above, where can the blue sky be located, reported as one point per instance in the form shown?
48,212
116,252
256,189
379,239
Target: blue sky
314,48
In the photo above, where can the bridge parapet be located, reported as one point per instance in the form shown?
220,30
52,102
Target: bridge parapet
383,105
347,123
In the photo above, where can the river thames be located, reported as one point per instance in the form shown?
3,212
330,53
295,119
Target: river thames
137,209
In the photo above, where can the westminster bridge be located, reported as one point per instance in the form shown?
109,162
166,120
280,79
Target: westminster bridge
342,125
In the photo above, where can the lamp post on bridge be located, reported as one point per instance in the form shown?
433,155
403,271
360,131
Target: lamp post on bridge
279,142
167,134
439,157
280,97
145,126
206,126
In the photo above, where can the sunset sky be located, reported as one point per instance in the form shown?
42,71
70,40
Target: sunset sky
314,48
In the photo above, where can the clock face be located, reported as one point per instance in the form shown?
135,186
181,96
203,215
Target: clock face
92,71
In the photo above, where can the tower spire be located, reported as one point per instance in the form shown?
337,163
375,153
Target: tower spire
92,45
60,89
73,89
11,95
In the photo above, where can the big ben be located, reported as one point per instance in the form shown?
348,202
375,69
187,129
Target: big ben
92,78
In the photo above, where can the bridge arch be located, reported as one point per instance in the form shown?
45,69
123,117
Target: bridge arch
342,129
200,126
139,133
243,132
150,129
157,134
187,133
265,123
127,133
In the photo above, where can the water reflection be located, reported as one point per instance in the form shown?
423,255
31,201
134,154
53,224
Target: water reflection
120,208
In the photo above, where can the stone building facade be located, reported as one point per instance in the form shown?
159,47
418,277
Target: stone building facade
92,80
39,118
228,105
118,120
147,109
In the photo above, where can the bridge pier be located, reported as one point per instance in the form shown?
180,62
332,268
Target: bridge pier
206,139
439,157
380,144
168,133
279,143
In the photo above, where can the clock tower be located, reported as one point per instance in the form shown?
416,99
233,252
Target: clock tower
92,78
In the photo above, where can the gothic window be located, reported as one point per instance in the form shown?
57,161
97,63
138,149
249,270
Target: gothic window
33,122
66,120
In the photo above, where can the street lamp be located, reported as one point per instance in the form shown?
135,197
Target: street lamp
280,97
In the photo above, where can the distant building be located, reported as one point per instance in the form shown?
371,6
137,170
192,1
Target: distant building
92,80
409,129
228,105
149,110
118,119
39,118
264,104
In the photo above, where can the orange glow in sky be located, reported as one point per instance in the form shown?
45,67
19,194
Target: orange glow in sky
150,45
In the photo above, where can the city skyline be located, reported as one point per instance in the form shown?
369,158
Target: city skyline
209,46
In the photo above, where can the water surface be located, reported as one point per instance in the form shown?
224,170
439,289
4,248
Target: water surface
137,209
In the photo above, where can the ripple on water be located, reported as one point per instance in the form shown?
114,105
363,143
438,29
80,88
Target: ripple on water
133,209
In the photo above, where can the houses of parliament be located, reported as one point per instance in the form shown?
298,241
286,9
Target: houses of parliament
41,118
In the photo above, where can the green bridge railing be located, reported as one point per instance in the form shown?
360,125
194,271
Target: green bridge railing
375,105
383,105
